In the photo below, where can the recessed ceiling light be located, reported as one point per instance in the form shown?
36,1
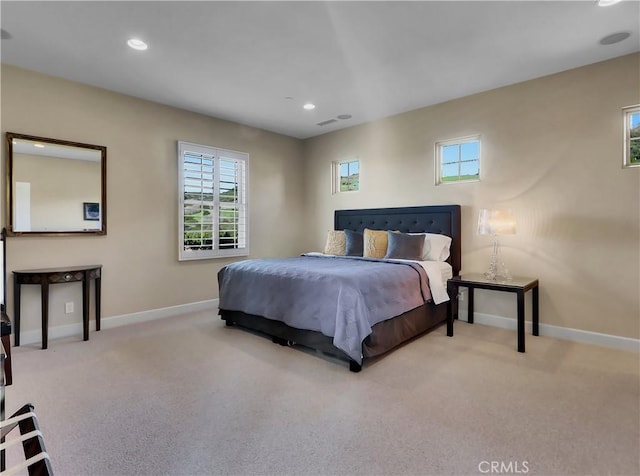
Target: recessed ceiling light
344,116
39,146
607,3
615,38
309,106
137,44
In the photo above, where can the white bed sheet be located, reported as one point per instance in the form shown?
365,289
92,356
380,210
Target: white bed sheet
439,272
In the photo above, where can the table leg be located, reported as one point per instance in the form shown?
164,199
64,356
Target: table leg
2,457
470,308
520,321
450,289
86,284
98,283
16,311
6,343
534,305
44,286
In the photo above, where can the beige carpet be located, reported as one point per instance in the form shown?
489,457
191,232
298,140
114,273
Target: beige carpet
187,396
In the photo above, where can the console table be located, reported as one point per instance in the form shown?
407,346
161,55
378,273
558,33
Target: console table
45,277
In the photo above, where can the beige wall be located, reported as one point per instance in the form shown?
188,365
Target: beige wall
551,151
139,252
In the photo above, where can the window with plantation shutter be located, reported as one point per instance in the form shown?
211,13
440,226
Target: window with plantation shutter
213,202
631,136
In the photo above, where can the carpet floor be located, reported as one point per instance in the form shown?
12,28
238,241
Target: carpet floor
188,396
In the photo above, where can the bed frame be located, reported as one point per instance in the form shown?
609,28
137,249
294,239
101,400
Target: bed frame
442,219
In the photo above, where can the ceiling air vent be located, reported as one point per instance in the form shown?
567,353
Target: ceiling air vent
324,123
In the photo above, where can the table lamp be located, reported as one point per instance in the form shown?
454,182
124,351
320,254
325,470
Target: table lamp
496,222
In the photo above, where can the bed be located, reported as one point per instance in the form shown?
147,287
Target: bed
388,331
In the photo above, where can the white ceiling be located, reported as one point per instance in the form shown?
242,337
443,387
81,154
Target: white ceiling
241,60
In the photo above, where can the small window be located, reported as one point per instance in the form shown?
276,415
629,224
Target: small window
458,160
632,136
213,215
346,176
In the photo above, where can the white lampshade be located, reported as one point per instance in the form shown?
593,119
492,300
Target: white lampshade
496,222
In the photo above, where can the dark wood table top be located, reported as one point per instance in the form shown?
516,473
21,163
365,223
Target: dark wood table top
61,269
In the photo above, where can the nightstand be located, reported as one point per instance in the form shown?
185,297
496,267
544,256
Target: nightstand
518,285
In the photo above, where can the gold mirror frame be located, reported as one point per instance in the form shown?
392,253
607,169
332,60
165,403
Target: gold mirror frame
10,205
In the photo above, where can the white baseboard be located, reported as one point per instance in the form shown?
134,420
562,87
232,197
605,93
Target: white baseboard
57,332
577,335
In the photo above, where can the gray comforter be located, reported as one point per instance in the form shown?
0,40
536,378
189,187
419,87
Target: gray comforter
341,297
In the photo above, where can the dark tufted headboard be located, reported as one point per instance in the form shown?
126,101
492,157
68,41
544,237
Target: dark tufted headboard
443,219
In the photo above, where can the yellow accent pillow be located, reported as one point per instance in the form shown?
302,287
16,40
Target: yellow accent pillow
336,243
375,243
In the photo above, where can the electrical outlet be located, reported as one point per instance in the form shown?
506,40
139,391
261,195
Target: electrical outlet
68,307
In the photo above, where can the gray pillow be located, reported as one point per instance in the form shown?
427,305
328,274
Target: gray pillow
355,243
404,246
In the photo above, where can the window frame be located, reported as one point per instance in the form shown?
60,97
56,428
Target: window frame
336,177
217,153
627,112
438,148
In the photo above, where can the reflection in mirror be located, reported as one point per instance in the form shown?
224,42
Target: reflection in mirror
55,187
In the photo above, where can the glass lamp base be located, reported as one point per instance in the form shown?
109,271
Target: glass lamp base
505,276
497,270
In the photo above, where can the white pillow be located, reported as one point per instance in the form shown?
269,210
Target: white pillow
436,247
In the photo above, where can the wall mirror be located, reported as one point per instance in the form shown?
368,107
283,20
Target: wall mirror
55,187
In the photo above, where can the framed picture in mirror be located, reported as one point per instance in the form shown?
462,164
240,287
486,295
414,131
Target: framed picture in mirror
91,211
